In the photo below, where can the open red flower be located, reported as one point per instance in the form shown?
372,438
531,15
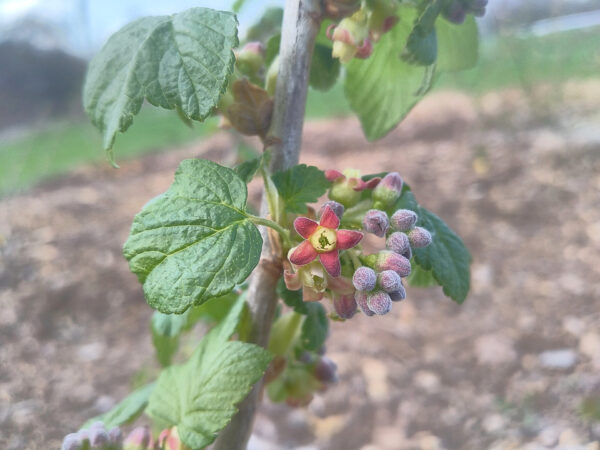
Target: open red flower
324,240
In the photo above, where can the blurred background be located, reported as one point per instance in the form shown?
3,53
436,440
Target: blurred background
508,153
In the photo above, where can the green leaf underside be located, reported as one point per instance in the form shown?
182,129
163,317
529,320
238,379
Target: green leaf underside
127,410
446,257
382,89
458,47
194,242
200,396
247,169
420,277
300,185
181,62
324,69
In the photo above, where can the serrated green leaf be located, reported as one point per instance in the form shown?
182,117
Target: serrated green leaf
324,69
458,45
446,257
195,241
179,61
300,185
200,396
315,327
126,411
383,88
248,169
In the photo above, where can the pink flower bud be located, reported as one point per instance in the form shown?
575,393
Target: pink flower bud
337,208
325,370
403,220
379,302
344,305
398,242
139,439
376,222
419,237
389,189
115,436
361,301
390,281
71,442
399,295
364,279
169,439
455,12
387,260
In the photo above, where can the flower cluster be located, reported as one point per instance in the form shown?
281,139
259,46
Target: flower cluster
353,37
369,282
140,438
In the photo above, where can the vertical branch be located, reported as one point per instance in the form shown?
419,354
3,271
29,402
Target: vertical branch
301,23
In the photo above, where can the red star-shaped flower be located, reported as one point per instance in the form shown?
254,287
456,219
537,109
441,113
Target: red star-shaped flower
324,240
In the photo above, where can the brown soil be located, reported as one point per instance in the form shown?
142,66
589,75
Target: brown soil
517,177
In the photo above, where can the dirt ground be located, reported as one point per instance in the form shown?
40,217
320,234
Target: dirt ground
516,175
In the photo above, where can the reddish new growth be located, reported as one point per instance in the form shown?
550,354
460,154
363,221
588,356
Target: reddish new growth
324,240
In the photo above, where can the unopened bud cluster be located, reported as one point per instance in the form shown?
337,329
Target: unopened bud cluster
140,438
354,35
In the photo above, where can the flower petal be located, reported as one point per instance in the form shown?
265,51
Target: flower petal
348,238
310,295
331,262
333,175
373,182
303,254
305,227
292,280
329,219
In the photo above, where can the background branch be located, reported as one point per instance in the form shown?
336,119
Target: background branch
301,23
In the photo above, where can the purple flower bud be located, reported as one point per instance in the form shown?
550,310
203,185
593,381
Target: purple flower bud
400,294
455,12
419,237
387,260
364,279
306,357
398,242
389,189
71,442
336,207
84,435
344,305
390,281
376,222
115,436
403,220
325,370
379,302
361,301
98,437
139,439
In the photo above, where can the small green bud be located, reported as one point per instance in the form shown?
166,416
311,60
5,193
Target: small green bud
389,189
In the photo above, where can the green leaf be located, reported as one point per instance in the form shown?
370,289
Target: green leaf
300,185
324,69
238,5
458,45
291,298
127,410
383,88
446,257
315,327
179,61
248,169
200,396
268,25
195,241
420,277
